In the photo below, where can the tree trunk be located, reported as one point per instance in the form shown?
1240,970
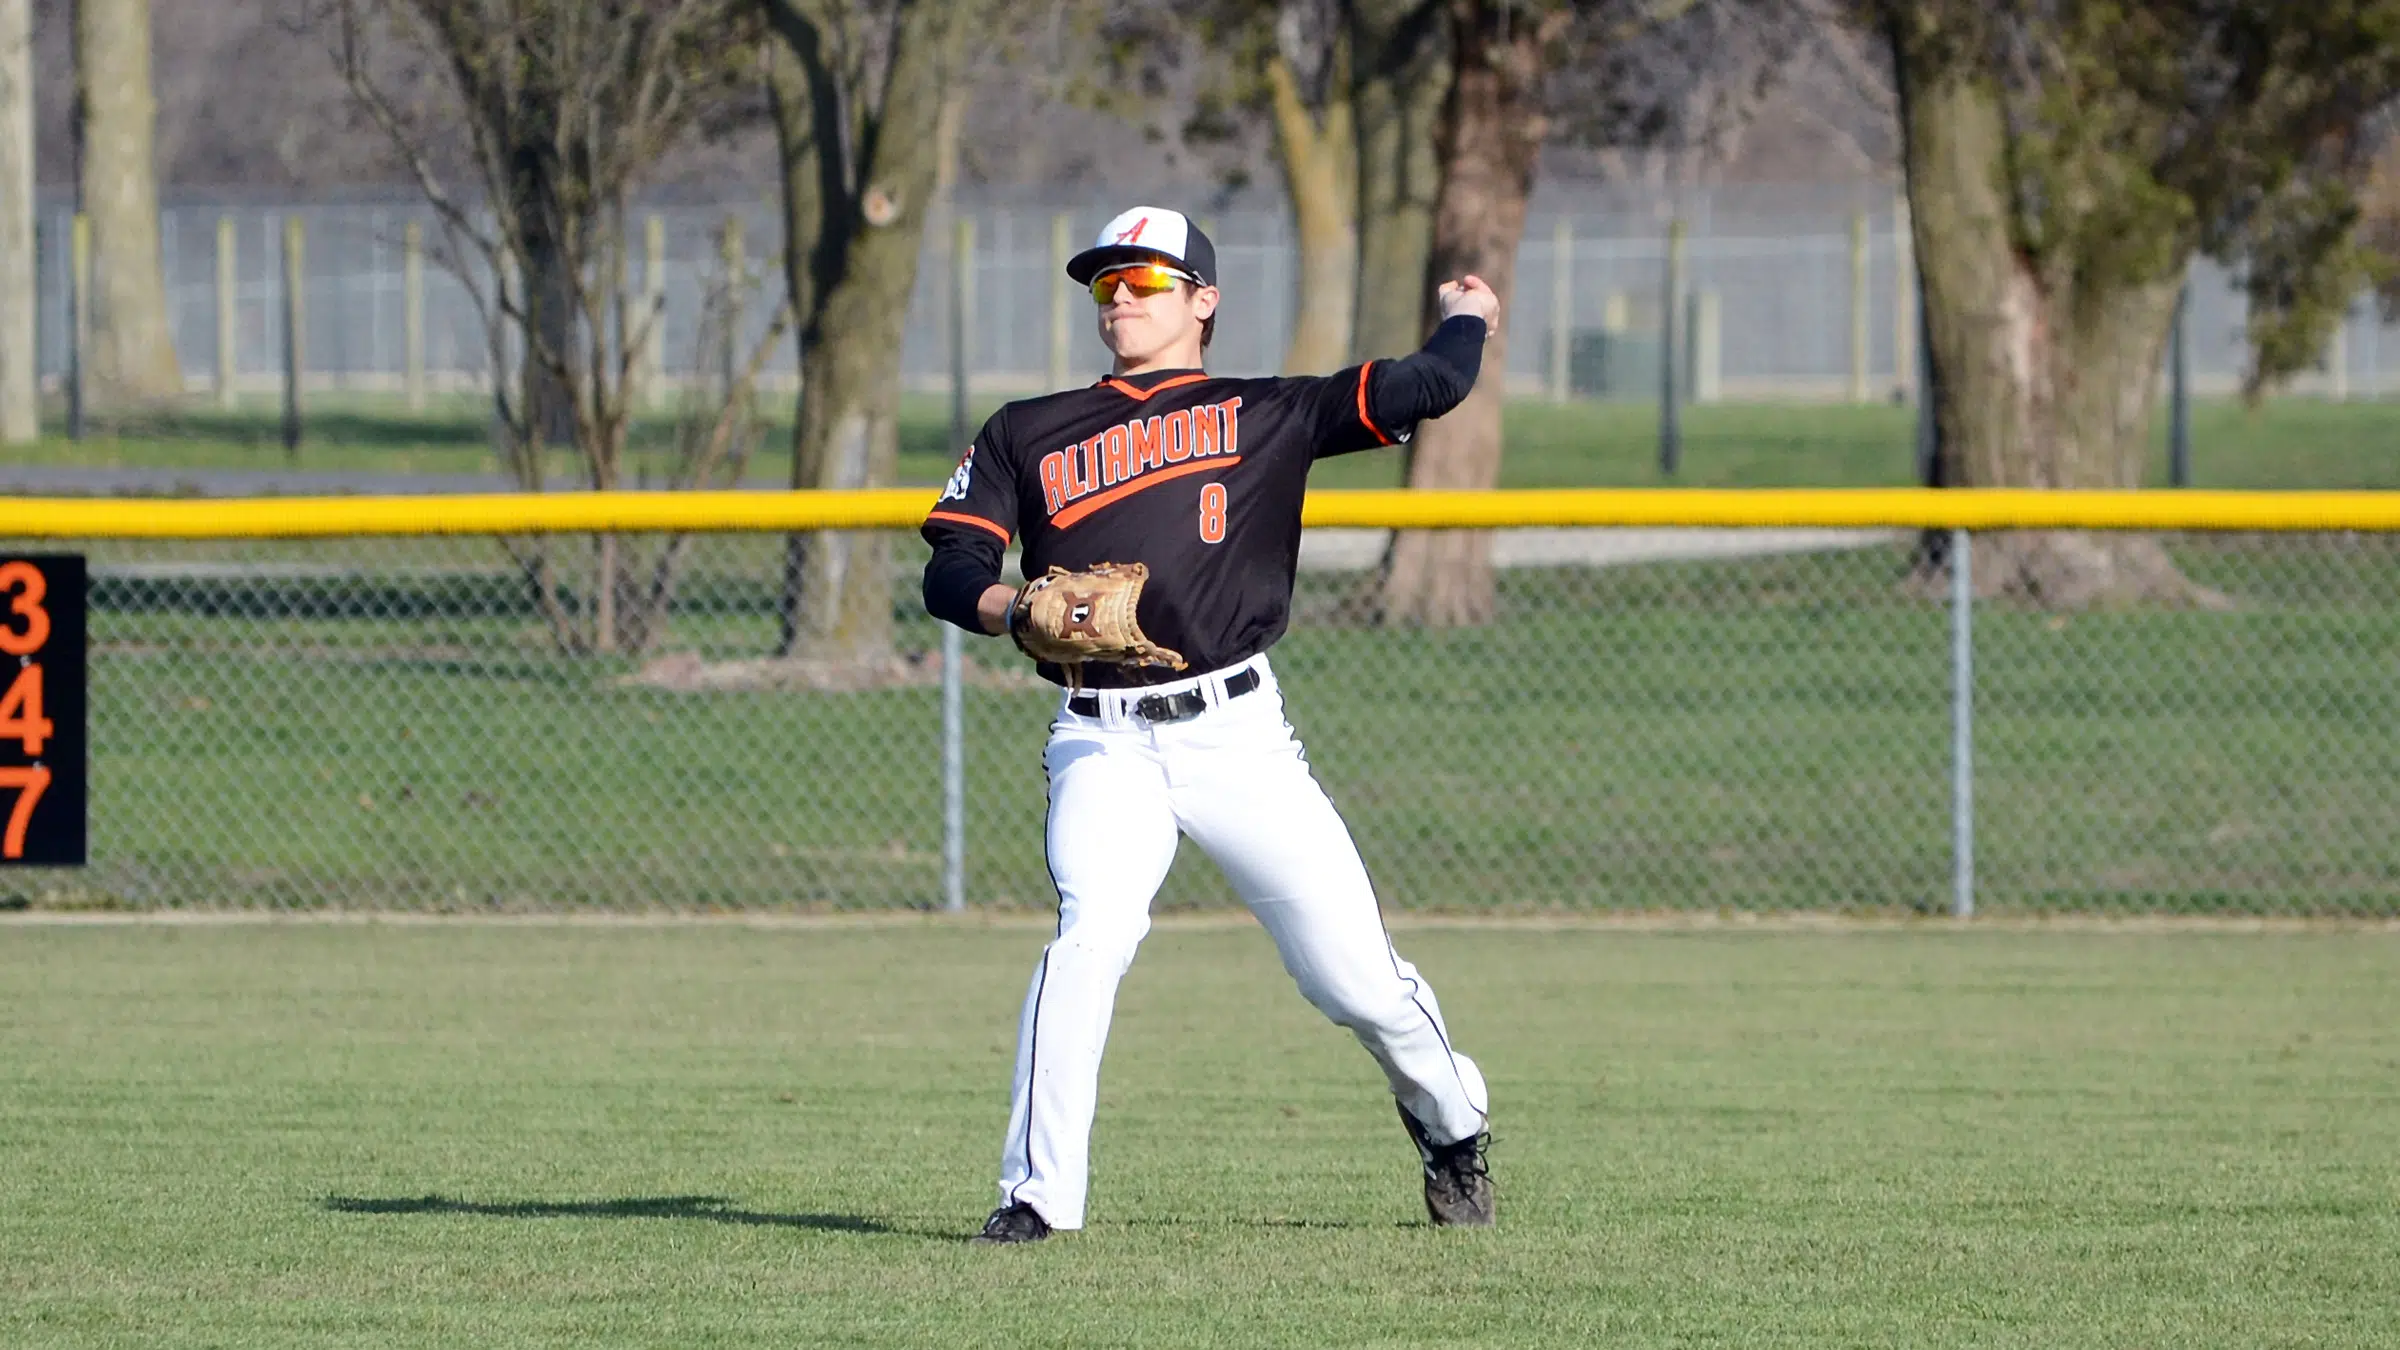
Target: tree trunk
2049,369
550,311
1401,81
853,233
1493,129
1320,173
133,354
20,389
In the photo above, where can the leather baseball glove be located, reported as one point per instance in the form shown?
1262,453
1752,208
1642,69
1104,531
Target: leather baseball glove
1068,618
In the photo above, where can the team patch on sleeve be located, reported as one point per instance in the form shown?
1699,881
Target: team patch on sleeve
960,479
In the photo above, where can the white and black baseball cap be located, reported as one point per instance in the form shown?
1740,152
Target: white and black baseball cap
1143,233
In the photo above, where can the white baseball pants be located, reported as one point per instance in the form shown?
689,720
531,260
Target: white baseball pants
1235,780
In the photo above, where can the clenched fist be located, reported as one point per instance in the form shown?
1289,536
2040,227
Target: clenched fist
1469,295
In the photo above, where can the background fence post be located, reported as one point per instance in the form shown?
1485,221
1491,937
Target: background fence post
962,326
228,313
954,749
1858,307
1670,414
1062,245
735,254
1962,724
1562,306
2372,337
2337,357
1904,299
79,320
412,314
1705,358
2179,393
653,366
295,329
1929,430
20,244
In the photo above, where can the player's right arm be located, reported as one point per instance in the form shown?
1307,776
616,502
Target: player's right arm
969,528
1381,402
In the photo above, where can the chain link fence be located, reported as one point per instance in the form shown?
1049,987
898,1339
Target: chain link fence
1724,720
1788,295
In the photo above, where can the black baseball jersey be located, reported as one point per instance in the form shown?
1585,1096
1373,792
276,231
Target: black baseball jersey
1200,477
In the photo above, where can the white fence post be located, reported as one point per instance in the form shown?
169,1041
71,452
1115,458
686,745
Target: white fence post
295,328
228,312
954,749
1562,306
412,314
1904,300
1962,724
1858,307
651,370
1062,319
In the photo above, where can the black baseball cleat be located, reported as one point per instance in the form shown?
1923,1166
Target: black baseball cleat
1015,1223
1458,1181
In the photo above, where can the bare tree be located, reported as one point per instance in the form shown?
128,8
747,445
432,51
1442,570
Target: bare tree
1492,132
19,390
1310,95
1667,89
858,90
1681,71
1400,80
566,105
1352,90
132,356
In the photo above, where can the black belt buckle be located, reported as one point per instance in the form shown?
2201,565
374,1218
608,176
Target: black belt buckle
1155,708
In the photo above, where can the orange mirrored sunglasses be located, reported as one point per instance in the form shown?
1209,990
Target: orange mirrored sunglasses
1144,279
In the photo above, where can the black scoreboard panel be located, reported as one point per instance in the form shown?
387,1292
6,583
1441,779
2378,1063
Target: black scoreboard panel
41,710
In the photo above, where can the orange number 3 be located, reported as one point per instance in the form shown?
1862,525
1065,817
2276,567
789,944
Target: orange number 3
1212,514
26,580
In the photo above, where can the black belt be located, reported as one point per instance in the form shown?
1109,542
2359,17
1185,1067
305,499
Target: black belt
1174,707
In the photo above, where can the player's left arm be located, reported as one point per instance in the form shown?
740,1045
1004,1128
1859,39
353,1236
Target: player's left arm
1381,402
970,528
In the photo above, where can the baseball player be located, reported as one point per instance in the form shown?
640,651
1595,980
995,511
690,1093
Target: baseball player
1159,512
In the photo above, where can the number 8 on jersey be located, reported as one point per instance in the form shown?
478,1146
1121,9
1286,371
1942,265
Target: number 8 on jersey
1212,514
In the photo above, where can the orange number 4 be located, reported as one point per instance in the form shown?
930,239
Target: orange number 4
30,783
21,711
26,580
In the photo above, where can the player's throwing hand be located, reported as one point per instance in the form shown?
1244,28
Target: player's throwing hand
1470,294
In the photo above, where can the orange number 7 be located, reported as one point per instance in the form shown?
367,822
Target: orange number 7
30,782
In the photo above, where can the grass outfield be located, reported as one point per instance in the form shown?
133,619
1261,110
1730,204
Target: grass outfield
2285,443
699,1136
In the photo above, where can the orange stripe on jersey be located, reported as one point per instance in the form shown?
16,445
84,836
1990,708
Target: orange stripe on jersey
1135,391
1152,479
1364,419
977,521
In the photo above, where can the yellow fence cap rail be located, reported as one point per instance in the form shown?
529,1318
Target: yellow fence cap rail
1862,508
905,508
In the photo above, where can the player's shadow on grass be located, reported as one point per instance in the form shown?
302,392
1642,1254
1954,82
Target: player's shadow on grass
711,1208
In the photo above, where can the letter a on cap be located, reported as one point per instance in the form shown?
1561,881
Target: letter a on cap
1147,231
1147,227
